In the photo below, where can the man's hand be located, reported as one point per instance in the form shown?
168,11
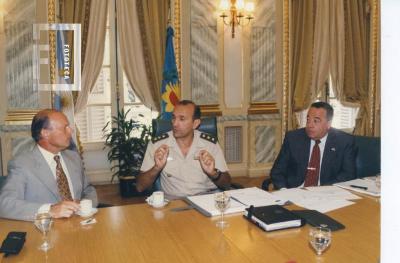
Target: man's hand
160,157
64,209
207,163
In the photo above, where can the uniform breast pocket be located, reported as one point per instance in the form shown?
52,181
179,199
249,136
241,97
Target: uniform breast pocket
171,169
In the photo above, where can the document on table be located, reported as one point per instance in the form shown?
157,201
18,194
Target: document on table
324,199
205,204
331,191
240,199
255,196
365,186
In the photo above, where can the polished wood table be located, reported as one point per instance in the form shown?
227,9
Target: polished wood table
139,233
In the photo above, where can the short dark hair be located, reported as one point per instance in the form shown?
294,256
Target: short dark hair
197,111
40,121
326,106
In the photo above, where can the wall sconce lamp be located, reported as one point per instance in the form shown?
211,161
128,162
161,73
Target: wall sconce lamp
234,12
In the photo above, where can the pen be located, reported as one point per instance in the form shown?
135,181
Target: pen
237,200
359,187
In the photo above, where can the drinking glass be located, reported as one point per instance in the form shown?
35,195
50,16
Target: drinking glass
222,202
43,222
320,238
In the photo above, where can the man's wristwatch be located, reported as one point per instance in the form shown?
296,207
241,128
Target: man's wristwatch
219,173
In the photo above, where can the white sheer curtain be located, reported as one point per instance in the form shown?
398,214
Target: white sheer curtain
94,51
131,51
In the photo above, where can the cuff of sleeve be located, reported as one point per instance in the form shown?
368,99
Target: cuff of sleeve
44,208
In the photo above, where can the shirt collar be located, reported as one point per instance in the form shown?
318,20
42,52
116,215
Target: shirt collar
49,156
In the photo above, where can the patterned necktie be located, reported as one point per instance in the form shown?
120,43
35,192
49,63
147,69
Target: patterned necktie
62,181
313,166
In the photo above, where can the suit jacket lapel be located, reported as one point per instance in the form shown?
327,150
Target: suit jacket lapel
305,144
44,174
329,151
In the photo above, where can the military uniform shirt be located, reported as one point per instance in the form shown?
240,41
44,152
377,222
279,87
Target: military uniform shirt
183,176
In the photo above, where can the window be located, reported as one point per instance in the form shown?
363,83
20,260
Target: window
102,103
344,117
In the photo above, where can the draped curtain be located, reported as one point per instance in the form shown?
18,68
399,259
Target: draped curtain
94,51
302,24
331,37
328,49
142,46
356,86
153,18
74,12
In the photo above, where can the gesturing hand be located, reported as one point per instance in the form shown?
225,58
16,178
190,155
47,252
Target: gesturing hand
160,157
207,162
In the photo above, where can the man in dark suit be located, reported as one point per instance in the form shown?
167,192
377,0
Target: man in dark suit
49,178
315,155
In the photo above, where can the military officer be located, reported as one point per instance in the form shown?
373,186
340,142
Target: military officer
189,162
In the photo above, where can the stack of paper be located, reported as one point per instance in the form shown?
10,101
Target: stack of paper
321,198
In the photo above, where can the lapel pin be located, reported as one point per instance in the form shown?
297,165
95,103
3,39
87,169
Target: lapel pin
333,149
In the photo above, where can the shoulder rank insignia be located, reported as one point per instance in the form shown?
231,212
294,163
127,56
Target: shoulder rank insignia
209,137
159,137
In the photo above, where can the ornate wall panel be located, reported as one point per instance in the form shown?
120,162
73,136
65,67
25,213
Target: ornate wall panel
265,144
263,53
204,52
19,52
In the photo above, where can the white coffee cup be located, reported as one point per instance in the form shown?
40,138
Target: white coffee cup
157,198
86,206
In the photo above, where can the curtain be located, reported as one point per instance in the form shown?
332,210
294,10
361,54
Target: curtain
328,50
321,47
153,22
94,51
74,12
131,52
355,85
336,45
301,57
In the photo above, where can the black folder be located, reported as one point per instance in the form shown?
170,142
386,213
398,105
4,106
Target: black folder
273,217
315,218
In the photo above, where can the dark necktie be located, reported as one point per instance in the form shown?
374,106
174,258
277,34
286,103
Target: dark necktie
62,181
313,166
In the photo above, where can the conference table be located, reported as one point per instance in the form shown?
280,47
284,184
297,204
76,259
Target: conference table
140,233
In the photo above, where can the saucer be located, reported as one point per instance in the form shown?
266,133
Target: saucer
166,201
94,211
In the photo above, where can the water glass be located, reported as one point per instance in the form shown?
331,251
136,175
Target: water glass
222,202
43,222
320,238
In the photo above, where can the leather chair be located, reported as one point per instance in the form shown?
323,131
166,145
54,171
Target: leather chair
368,158
2,180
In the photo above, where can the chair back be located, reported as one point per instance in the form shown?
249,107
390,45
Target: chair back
368,158
207,125
2,180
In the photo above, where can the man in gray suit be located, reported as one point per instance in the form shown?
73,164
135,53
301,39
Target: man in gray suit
48,178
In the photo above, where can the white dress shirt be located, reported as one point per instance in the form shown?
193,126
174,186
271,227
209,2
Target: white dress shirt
49,157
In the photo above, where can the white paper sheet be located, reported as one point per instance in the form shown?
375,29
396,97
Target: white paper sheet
255,196
323,199
372,189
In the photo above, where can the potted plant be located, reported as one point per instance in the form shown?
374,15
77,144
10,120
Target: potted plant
127,142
